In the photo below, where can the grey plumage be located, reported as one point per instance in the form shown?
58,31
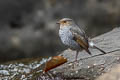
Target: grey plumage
67,34
66,37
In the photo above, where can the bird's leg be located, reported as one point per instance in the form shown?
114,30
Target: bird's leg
75,63
77,52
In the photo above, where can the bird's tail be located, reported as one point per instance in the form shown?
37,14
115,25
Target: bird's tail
91,44
99,49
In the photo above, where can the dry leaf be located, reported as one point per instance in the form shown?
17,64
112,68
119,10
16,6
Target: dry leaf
54,62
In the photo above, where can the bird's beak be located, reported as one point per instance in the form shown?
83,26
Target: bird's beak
58,22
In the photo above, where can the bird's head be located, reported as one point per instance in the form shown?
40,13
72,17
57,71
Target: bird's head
65,22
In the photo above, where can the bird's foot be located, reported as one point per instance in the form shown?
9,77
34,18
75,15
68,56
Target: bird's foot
75,64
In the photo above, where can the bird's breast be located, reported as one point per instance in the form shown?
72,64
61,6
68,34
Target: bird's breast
65,35
67,38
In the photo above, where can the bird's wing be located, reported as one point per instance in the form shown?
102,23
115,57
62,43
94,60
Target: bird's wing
80,37
79,33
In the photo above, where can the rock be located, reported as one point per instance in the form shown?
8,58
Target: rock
113,74
89,67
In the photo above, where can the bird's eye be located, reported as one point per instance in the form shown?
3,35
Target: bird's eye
64,21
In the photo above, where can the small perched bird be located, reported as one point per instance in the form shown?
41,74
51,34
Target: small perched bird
74,37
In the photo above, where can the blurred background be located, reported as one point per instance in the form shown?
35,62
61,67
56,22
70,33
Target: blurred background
28,27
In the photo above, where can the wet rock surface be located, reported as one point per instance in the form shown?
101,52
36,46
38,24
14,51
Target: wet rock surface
88,67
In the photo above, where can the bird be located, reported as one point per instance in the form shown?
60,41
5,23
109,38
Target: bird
75,37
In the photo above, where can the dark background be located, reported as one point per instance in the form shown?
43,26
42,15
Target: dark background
28,27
